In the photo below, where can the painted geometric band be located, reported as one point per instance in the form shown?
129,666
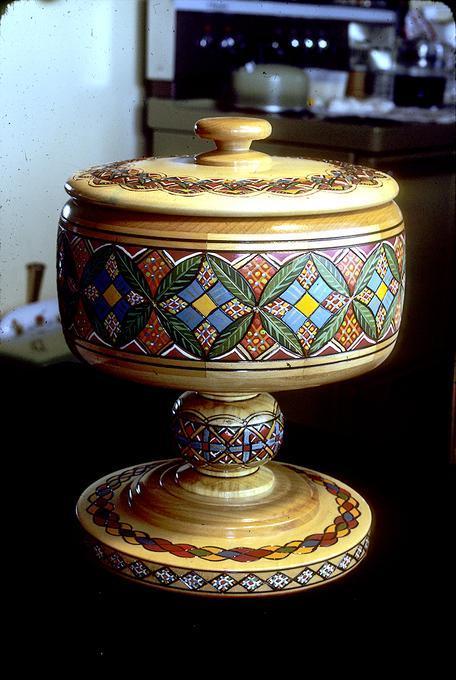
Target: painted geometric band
203,440
345,178
103,514
228,583
205,306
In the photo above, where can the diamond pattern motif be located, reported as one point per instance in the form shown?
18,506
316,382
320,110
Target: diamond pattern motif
206,334
98,551
205,306
226,582
380,291
345,562
359,552
327,570
306,334
278,581
257,340
350,266
210,306
206,277
114,297
139,569
308,304
251,583
349,331
174,305
165,575
258,271
235,309
154,336
117,562
223,583
278,308
154,267
305,576
309,275
193,581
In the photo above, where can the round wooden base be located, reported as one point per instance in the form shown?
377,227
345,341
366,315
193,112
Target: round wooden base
300,530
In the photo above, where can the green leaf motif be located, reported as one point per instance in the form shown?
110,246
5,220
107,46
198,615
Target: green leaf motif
133,324
331,275
180,333
392,261
232,280
280,332
231,336
368,270
132,275
95,265
365,318
328,331
283,279
179,277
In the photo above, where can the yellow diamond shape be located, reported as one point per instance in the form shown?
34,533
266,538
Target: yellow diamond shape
204,305
307,305
111,295
381,292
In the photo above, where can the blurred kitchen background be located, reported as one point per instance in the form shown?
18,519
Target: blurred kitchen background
85,82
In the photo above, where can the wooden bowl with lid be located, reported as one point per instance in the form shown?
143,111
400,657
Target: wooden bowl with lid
230,274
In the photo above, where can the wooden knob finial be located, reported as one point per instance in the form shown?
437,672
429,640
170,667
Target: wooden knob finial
233,137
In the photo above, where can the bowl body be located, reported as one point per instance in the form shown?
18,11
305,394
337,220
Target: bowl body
240,305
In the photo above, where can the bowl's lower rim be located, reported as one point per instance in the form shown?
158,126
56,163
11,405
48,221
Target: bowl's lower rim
234,377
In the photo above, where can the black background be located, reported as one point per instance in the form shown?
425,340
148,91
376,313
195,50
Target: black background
70,425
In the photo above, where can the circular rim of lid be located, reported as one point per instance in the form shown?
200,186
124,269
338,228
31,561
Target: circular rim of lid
338,187
232,180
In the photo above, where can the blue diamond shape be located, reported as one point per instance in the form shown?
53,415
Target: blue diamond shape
190,317
320,290
375,282
192,292
293,293
320,316
388,277
102,281
219,320
101,307
374,304
294,319
388,299
121,285
121,309
219,294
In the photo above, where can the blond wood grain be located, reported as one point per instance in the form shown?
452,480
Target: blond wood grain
233,180
267,232
233,137
295,507
217,377
289,502
247,485
235,131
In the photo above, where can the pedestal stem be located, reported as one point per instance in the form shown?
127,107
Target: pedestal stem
227,441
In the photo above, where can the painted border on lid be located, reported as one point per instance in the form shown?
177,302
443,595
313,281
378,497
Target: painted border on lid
332,186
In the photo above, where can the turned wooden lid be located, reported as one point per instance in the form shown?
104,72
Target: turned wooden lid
233,180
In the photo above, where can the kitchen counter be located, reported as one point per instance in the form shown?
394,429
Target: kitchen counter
349,138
